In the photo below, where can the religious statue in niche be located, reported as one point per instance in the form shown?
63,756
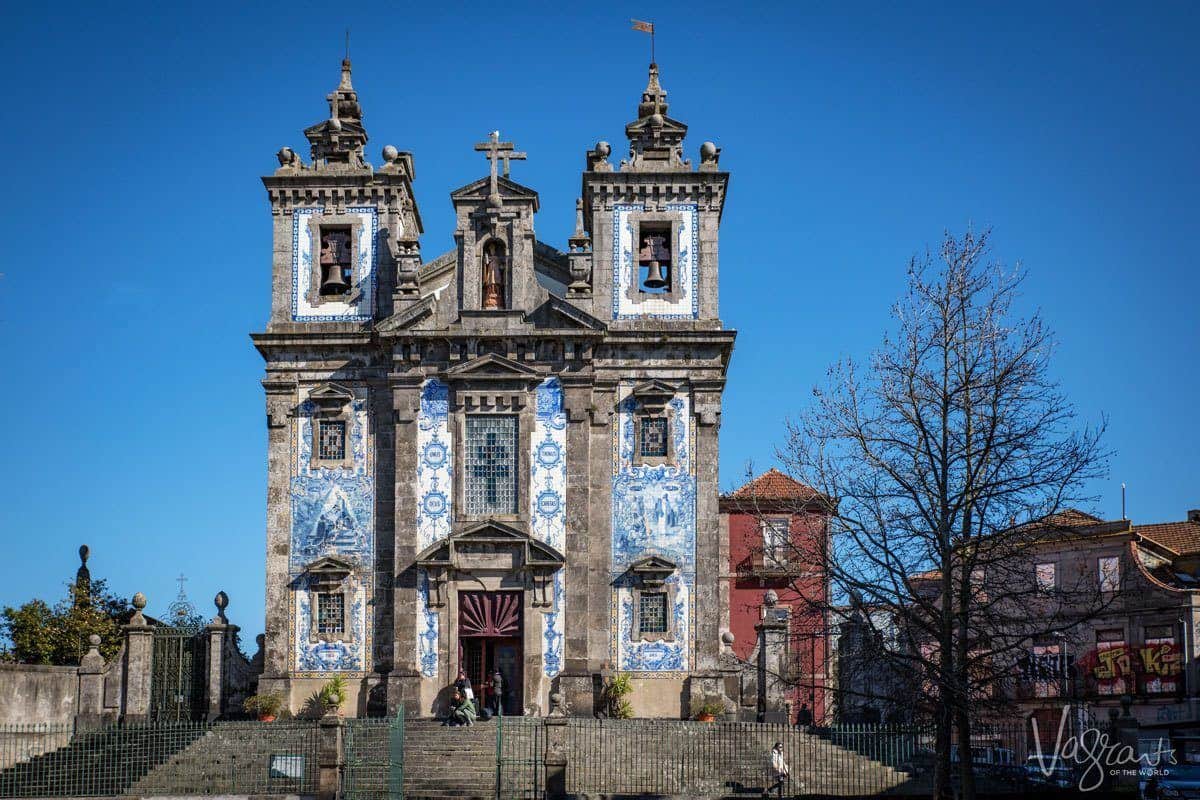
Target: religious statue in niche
494,274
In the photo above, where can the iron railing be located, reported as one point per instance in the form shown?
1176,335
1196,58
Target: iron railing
520,750
374,758
159,759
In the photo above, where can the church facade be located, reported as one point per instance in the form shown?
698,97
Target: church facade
505,456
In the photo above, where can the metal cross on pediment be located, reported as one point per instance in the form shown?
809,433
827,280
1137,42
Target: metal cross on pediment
499,151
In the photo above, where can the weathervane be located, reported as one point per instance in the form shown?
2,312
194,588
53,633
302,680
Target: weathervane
645,27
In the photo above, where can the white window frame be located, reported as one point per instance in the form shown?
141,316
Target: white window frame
1109,573
1045,576
776,537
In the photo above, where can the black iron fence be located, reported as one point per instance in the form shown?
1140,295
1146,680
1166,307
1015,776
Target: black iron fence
159,759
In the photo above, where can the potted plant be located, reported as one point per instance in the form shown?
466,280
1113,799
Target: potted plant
616,697
333,694
707,709
264,706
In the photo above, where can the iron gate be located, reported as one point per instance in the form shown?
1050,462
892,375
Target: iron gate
374,753
520,745
179,668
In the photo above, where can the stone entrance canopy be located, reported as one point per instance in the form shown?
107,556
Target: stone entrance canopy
491,547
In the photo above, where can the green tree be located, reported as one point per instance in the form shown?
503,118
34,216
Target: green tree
40,634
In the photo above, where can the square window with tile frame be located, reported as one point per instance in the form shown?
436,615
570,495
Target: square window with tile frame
331,613
652,612
331,441
654,437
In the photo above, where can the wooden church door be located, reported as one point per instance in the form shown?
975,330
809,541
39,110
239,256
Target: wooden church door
489,637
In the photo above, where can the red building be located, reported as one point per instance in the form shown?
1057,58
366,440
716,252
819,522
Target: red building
777,534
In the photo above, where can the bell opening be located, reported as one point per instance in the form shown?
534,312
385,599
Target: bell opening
654,259
337,264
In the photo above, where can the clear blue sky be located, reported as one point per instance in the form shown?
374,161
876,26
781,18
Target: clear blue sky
136,248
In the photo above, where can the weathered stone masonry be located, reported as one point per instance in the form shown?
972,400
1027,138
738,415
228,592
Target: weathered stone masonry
505,456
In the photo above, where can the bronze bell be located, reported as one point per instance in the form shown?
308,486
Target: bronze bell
334,283
655,279
653,252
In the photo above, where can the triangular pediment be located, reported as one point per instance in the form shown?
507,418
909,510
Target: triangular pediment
330,395
668,125
329,565
653,564
408,317
491,529
508,189
572,316
492,366
653,389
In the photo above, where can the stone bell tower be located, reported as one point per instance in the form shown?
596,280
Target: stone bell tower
344,257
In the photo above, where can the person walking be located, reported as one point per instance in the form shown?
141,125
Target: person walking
777,771
497,684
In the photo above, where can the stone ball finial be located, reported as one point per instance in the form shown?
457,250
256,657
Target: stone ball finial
139,601
656,120
728,638
93,640
335,124
84,552
770,598
286,156
603,149
708,151
221,601
390,153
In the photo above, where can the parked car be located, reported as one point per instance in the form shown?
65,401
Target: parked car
1171,782
1049,771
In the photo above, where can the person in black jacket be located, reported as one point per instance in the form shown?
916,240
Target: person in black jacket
497,684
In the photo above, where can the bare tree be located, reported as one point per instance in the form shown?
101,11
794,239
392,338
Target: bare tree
934,458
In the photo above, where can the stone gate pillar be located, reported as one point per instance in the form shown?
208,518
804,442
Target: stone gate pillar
217,632
91,686
139,664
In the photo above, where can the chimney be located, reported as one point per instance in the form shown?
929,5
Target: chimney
1193,515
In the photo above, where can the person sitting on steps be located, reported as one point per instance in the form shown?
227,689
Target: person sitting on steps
462,710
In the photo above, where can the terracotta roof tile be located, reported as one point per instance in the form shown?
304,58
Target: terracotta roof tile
774,485
1179,537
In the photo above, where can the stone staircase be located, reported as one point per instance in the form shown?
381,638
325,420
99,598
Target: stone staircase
239,758
103,762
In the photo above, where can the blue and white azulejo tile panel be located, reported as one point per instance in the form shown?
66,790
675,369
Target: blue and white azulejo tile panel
653,513
316,655
654,656
434,473
548,509
686,305
304,250
332,515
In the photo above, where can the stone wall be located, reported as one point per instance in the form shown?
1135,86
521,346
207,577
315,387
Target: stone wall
34,693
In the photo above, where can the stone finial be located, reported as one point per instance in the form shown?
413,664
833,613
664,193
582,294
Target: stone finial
654,97
139,603
390,153
221,601
727,638
92,661
710,156
339,140
655,140
82,593
579,231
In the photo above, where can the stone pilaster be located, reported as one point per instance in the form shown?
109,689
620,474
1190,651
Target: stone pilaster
708,533
404,680
215,683
280,405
